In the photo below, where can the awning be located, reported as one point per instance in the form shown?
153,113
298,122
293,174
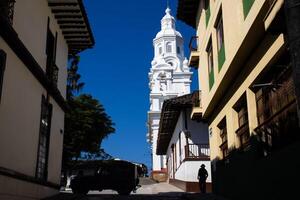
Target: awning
168,119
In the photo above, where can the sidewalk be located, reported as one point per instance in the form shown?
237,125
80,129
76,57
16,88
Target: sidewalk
159,189
199,196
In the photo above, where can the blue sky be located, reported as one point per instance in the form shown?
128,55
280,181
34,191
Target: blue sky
116,70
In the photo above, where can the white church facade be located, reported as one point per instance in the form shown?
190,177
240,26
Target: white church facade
169,77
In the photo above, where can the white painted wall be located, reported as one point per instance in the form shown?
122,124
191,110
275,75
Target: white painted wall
30,22
20,110
20,105
188,170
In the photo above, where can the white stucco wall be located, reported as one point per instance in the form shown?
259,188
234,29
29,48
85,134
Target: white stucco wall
158,161
30,22
20,106
187,170
13,189
56,143
20,111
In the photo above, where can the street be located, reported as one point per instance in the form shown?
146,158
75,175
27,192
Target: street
149,190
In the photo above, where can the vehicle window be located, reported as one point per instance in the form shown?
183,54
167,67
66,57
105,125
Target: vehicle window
99,170
89,172
104,172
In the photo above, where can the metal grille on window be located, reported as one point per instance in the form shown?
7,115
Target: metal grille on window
51,68
7,9
2,68
223,135
46,112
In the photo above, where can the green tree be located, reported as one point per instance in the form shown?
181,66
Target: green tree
86,122
86,125
74,85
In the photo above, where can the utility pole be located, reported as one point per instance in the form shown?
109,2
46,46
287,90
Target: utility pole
292,15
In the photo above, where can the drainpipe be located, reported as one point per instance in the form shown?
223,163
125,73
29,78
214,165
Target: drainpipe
292,15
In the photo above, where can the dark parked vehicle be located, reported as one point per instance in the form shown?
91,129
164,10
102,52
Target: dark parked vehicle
117,175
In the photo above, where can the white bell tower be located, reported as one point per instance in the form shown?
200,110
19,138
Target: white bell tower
169,77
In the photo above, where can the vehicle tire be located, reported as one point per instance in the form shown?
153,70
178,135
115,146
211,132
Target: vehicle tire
75,191
124,192
80,191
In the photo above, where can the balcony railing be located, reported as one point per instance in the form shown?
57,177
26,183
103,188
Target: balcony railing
197,151
194,54
193,45
244,135
280,129
52,73
196,99
7,9
278,125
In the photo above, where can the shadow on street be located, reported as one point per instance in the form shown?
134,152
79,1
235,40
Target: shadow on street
159,196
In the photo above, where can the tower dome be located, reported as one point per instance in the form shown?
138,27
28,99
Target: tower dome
168,26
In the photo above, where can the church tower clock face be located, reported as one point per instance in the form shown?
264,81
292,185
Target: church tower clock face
169,77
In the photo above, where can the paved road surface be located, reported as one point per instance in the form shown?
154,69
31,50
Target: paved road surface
150,190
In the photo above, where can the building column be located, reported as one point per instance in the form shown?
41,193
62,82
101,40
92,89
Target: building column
232,125
252,111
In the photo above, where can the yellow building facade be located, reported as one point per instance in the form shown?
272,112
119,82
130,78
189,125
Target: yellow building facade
248,94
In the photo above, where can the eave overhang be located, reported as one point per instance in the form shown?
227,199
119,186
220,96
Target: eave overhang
187,11
169,116
73,21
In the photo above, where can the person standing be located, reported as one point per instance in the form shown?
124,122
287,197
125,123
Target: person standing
202,176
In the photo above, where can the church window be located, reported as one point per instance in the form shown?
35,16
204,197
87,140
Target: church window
2,67
178,50
160,50
169,48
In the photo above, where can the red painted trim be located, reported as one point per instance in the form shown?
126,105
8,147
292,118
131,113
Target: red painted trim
159,171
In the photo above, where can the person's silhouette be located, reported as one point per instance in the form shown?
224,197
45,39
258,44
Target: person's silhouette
202,176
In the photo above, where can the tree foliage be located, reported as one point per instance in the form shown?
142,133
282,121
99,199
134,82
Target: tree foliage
74,85
86,122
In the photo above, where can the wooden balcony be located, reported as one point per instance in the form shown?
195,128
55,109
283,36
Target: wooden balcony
278,119
197,108
197,152
243,135
194,53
